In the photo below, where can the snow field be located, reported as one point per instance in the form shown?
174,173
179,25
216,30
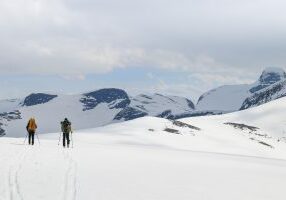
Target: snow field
139,160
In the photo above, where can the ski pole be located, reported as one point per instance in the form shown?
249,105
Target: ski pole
38,138
59,138
72,139
25,138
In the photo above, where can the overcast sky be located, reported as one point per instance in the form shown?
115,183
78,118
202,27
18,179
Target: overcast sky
182,47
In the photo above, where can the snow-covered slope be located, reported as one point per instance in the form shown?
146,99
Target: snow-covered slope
265,95
88,110
225,98
162,106
231,97
210,157
9,105
264,123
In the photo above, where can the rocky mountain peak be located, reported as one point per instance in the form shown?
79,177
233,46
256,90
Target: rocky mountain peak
272,75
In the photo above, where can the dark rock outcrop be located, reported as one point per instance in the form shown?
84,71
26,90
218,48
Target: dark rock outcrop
117,98
129,113
37,98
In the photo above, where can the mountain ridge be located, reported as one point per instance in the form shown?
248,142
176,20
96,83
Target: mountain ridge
229,98
87,110
112,105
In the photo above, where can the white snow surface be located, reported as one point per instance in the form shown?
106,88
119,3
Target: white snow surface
139,160
226,98
9,105
156,104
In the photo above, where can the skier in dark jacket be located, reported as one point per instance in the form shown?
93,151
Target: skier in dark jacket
66,129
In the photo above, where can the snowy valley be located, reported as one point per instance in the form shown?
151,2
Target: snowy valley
149,146
142,100
239,155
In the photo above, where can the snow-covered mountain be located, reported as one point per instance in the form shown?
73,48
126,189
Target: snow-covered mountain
230,98
111,105
87,110
265,95
235,156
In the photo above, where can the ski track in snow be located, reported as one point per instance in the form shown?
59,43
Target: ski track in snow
5,176
13,176
70,179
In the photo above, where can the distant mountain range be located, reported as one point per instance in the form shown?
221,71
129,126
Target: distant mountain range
97,108
111,105
229,98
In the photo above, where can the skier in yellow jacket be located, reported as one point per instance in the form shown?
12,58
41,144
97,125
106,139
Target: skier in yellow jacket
31,128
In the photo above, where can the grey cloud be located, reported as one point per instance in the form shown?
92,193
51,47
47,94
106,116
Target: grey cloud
91,36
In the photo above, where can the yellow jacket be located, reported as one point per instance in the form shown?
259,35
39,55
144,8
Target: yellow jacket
31,126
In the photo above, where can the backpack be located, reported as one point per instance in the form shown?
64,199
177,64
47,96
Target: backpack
66,126
32,126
